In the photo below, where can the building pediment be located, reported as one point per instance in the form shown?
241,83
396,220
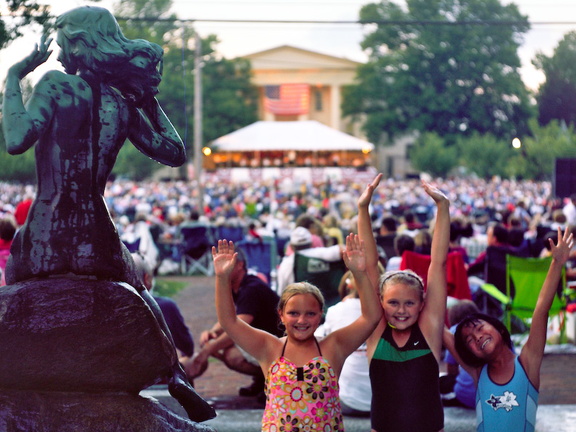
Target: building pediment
288,57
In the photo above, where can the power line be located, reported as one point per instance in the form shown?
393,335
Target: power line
339,22
349,22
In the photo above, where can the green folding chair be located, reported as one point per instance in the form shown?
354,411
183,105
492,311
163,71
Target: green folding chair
524,280
325,275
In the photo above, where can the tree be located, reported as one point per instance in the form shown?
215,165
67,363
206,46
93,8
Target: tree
229,98
557,95
22,14
485,155
536,157
431,156
442,66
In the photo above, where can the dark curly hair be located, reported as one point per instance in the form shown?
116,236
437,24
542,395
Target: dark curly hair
469,321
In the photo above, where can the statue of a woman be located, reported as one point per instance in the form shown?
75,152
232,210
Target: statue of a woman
78,121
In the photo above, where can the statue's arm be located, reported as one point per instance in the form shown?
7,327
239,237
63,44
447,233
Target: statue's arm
23,125
153,134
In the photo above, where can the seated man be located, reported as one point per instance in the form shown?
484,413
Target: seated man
172,315
496,235
385,237
257,305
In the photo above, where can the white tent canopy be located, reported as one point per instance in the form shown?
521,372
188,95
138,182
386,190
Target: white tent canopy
307,135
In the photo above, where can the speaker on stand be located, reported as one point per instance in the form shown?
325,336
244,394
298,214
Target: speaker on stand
564,183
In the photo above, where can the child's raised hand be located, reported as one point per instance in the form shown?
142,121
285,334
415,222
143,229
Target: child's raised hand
436,194
366,197
561,251
354,256
224,258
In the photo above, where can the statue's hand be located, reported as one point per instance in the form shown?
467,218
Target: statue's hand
35,59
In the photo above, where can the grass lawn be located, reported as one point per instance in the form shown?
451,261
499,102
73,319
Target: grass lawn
168,287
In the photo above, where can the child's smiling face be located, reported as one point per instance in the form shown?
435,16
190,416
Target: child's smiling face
481,338
301,316
402,305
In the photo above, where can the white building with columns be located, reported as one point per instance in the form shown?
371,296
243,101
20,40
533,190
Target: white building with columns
297,84
309,83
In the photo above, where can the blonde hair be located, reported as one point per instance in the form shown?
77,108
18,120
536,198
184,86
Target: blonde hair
300,288
406,277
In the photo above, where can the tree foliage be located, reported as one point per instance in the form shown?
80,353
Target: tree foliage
557,95
229,100
536,158
429,154
440,66
21,14
485,155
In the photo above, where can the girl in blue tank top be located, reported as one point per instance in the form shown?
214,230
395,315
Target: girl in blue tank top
507,392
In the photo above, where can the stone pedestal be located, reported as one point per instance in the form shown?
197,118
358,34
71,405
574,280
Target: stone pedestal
75,353
27,411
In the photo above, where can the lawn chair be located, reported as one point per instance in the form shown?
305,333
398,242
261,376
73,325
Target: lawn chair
523,281
325,275
261,256
525,277
195,250
231,233
491,297
456,277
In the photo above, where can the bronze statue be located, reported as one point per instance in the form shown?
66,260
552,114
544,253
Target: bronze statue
78,121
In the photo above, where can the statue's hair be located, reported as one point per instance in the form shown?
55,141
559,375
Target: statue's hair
300,288
131,65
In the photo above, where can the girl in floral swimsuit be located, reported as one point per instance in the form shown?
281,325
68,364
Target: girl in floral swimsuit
302,373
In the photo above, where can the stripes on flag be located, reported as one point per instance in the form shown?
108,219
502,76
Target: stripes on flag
287,99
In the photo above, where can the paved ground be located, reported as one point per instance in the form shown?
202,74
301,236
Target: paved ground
557,411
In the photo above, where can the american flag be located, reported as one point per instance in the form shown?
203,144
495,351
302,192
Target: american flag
287,99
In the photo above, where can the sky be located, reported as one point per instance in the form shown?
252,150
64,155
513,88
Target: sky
341,40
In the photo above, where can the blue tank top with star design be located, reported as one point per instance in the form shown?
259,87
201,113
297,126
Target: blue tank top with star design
506,407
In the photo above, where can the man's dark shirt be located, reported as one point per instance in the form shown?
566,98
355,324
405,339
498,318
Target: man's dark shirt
255,298
180,332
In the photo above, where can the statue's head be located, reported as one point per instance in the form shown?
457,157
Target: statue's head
88,37
91,40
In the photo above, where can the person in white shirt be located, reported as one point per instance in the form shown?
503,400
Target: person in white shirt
301,241
354,380
570,210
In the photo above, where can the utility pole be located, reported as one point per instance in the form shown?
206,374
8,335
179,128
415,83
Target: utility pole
198,120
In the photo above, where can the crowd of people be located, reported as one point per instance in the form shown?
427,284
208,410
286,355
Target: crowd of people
273,209
314,220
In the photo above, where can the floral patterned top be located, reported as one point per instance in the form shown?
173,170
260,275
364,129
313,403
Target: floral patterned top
302,399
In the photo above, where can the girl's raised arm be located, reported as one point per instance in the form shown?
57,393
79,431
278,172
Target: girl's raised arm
533,350
431,318
365,231
346,340
247,337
